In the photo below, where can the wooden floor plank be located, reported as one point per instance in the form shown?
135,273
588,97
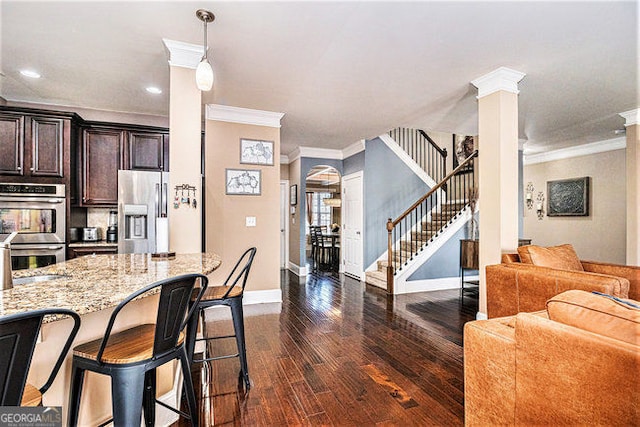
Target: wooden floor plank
338,352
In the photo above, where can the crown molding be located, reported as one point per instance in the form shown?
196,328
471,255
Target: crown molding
225,113
354,148
632,117
577,151
323,153
502,78
183,54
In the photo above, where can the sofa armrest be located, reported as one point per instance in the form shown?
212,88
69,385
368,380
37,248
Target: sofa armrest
517,287
631,273
588,379
489,372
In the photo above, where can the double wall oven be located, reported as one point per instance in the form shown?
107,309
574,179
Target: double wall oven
37,212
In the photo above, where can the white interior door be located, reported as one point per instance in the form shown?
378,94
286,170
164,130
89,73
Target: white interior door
284,223
352,225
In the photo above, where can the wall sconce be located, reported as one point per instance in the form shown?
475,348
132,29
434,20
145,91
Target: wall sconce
540,205
528,196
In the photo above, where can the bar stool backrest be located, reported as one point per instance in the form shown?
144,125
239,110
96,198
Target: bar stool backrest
172,317
18,336
236,275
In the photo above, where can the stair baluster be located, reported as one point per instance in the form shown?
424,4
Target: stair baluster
417,227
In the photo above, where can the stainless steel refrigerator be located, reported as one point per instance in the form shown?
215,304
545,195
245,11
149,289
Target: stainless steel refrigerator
142,212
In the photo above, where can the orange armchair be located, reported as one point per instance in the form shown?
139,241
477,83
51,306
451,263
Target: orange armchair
573,364
515,286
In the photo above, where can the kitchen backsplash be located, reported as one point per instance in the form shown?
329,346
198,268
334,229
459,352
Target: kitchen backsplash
98,217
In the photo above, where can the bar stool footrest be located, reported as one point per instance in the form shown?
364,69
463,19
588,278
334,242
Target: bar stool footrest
106,423
215,338
171,408
209,359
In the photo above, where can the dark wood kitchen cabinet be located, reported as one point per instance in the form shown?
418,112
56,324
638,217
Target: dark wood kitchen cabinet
107,147
102,156
11,144
148,151
36,144
75,252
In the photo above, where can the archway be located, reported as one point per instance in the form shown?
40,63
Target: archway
323,213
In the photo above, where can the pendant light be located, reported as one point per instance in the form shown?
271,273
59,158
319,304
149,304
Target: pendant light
204,72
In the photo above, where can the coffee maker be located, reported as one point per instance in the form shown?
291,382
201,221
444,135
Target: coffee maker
112,230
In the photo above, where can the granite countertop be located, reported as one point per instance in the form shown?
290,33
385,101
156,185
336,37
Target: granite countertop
101,243
97,282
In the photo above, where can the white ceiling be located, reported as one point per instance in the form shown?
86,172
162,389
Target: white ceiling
340,71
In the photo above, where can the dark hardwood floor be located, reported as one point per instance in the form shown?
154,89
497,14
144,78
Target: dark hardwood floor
337,352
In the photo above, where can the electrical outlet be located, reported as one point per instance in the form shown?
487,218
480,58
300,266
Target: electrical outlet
250,221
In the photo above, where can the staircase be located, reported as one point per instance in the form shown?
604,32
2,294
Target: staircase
428,230
428,218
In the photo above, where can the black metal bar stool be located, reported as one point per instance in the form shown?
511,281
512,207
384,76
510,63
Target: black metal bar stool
131,357
18,336
229,294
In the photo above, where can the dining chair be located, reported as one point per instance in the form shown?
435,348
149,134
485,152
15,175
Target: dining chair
130,357
325,248
18,337
314,245
230,294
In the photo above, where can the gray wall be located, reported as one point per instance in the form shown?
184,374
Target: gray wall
446,261
354,163
390,187
306,163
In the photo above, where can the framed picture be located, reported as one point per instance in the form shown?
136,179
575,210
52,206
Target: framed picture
463,147
568,197
293,195
243,181
255,152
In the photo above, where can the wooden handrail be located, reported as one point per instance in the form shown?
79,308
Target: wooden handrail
393,223
442,151
410,234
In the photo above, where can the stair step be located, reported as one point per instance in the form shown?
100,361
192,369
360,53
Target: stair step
423,236
376,278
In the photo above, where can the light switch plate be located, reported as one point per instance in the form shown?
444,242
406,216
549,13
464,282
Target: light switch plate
250,221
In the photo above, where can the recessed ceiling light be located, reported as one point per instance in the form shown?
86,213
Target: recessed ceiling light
30,73
154,90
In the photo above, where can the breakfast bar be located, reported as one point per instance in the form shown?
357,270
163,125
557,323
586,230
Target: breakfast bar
93,286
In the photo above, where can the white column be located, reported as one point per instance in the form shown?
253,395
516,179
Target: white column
633,186
498,168
185,127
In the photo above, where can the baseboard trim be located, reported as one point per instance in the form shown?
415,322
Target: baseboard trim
262,297
297,270
427,285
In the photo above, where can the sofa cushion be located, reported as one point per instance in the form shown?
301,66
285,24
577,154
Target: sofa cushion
562,257
510,258
601,314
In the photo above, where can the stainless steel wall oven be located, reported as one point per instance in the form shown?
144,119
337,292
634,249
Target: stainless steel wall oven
37,212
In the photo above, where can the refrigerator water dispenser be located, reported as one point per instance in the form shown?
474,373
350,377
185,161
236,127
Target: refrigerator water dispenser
135,220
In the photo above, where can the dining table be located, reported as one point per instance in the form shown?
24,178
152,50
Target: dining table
335,248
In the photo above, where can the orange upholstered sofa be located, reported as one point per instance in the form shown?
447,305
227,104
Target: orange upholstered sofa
575,363
526,280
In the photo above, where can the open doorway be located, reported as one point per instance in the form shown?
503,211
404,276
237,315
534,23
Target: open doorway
323,217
